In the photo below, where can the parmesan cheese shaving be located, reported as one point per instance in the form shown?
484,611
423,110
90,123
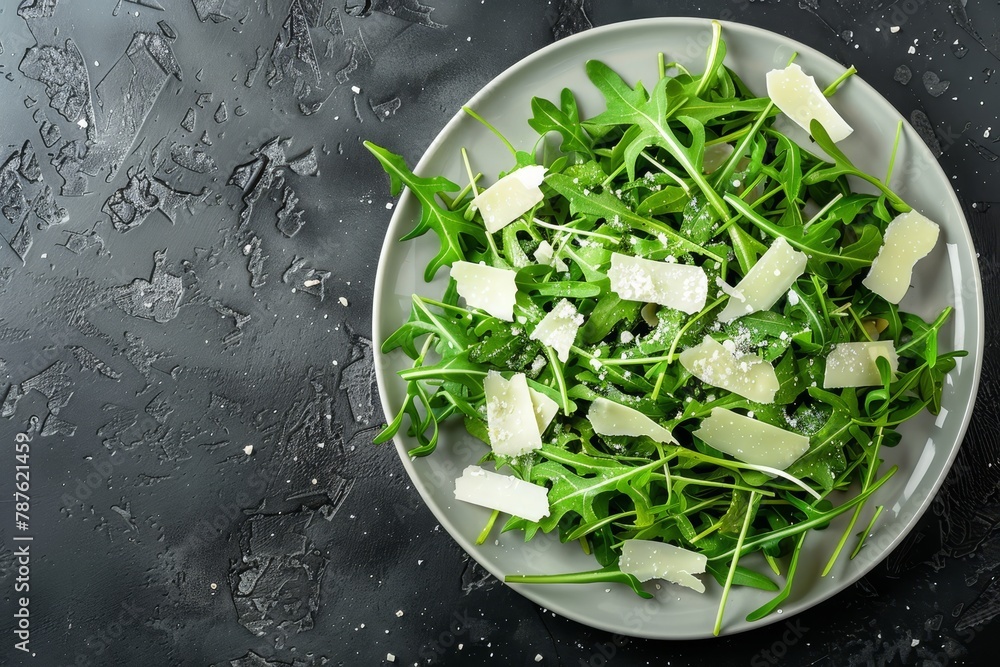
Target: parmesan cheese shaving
646,559
545,409
908,238
510,415
611,418
747,375
543,253
800,98
715,156
502,492
854,365
766,281
751,441
487,288
558,328
510,197
680,286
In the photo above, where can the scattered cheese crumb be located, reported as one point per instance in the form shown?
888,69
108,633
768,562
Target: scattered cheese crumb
248,450
343,301
390,657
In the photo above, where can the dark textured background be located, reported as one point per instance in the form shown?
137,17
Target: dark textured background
192,239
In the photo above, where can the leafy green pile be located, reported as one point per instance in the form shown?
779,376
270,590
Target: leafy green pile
632,179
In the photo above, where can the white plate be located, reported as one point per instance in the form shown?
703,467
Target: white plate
949,276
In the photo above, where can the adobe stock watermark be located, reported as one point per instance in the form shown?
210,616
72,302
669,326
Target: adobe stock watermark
774,654
99,643
637,618
901,13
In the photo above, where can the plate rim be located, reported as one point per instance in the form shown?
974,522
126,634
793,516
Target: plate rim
536,593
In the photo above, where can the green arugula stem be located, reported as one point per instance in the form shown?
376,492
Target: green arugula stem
820,213
868,530
736,558
775,602
557,372
931,330
608,574
488,527
832,88
489,126
713,52
892,156
802,526
579,232
683,452
871,454
726,171
677,179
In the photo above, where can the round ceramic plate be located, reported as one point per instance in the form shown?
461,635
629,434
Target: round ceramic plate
949,276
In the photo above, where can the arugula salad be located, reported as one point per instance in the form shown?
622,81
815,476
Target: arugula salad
675,329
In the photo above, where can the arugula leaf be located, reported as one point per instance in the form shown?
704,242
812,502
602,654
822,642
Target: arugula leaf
564,119
448,225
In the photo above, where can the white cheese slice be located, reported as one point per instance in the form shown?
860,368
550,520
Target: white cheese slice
486,287
513,195
766,281
747,375
680,286
800,98
545,409
853,364
752,441
543,253
510,415
646,559
502,492
908,238
611,418
558,328
715,156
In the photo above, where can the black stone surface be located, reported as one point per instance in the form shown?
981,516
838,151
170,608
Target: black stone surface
192,233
